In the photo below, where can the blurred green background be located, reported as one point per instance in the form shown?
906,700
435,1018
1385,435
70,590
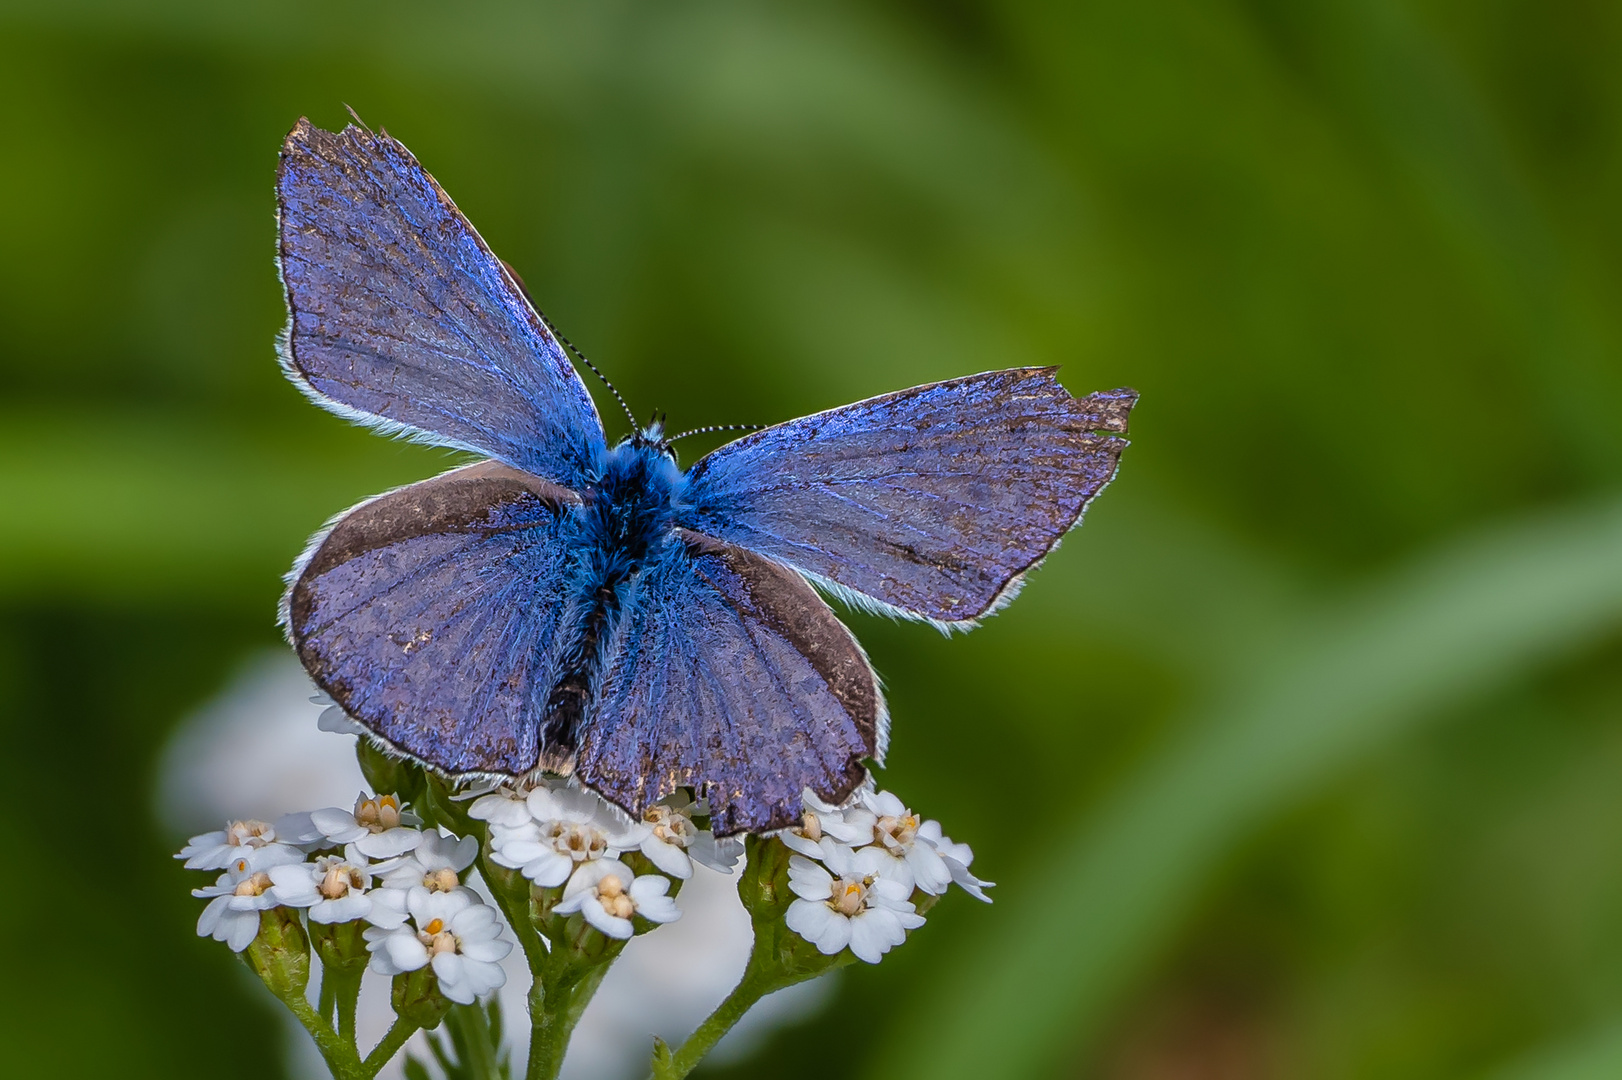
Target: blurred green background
1303,759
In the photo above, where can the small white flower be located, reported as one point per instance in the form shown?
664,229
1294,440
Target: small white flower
570,827
236,899
436,864
336,889
851,826
254,840
380,827
859,909
674,842
957,858
895,832
505,807
454,932
607,894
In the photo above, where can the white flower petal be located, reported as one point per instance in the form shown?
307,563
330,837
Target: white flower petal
344,909
667,857
389,843
611,925
487,951
405,951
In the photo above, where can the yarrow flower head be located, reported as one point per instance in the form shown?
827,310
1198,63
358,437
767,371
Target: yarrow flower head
876,856
335,889
257,841
608,894
895,832
674,841
380,827
568,828
238,896
452,931
851,905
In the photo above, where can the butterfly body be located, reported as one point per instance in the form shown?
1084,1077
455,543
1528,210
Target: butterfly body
579,608
625,517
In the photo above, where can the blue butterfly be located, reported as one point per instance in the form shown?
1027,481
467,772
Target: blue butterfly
574,607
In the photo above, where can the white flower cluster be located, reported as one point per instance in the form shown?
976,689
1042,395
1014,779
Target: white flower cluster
371,863
560,835
856,870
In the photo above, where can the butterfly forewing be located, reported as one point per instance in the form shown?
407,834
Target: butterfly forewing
427,613
400,316
931,501
731,676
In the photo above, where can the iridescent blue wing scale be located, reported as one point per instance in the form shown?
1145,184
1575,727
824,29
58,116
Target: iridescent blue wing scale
427,614
729,675
401,318
930,503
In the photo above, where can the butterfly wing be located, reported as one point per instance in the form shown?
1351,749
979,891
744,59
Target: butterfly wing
400,316
427,613
728,674
930,502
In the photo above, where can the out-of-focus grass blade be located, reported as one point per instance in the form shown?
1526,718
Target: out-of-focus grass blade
1592,1056
1461,621
144,507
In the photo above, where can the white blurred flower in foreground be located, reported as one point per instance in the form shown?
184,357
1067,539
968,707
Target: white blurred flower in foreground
869,914
380,827
435,864
455,933
236,899
674,842
336,889
568,828
253,840
607,894
895,832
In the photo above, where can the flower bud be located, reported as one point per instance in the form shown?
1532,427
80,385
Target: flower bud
280,954
416,998
341,946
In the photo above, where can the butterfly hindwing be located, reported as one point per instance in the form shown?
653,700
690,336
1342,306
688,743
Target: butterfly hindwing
731,676
427,614
931,502
401,317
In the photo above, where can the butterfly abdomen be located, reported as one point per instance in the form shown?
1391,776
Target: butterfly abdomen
624,517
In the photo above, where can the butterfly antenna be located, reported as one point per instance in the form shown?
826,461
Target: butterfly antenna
714,427
572,347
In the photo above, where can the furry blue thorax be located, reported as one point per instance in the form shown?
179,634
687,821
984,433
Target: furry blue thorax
626,517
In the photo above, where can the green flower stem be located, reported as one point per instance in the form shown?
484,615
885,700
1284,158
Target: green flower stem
329,996
557,998
392,1040
779,958
339,1054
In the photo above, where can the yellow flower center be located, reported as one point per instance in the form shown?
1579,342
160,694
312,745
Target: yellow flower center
256,885
671,826
849,895
339,880
442,880
380,814
248,833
